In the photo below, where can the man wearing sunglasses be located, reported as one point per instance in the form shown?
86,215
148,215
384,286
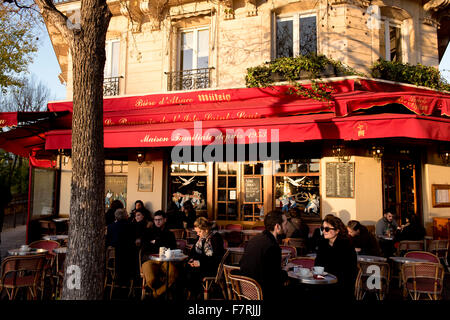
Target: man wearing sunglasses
262,256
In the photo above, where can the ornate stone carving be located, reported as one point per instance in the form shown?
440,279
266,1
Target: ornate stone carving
228,10
154,10
430,21
250,6
131,10
436,5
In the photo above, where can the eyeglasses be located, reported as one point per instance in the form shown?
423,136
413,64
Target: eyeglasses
327,229
161,219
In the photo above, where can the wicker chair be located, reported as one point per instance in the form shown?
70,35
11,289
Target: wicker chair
298,243
407,245
423,255
48,245
423,278
305,262
179,233
440,249
365,276
227,269
245,288
111,275
181,244
259,228
59,273
22,272
234,227
218,280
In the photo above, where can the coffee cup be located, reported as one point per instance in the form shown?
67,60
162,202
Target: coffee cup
162,252
304,271
24,247
318,270
168,253
297,269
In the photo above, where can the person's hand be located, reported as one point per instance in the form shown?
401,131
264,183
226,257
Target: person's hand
358,249
138,242
153,241
194,263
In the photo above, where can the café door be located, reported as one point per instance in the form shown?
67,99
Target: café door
401,188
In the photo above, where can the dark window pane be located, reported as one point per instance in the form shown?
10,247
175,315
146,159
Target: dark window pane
232,209
248,169
308,35
285,36
222,182
303,167
259,168
231,182
221,208
222,194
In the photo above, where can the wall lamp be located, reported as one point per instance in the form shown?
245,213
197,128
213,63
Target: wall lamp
339,152
377,152
445,156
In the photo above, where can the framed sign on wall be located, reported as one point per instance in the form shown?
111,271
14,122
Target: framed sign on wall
440,195
145,179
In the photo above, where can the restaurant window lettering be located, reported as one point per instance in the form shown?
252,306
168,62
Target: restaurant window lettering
188,182
296,185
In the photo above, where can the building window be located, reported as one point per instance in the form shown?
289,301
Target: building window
296,185
188,182
111,73
115,166
193,62
296,35
391,48
253,210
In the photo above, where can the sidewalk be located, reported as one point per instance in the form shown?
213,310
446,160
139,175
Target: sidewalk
12,238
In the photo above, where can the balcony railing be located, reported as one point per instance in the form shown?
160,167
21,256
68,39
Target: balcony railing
111,86
189,79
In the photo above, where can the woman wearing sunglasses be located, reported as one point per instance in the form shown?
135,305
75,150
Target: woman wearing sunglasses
338,256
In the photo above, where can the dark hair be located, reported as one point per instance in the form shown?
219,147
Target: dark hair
273,218
336,223
188,205
294,213
141,212
160,213
412,219
354,225
139,201
116,204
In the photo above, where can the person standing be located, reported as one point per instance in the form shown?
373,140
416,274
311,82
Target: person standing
262,256
5,198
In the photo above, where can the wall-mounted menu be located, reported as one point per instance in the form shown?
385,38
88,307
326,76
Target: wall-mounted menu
340,180
252,189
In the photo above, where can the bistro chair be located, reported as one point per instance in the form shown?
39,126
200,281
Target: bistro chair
407,245
179,233
218,280
298,243
227,269
440,249
191,236
430,257
292,250
234,227
366,274
304,262
111,275
22,272
48,245
312,227
423,278
181,244
245,288
259,228
234,238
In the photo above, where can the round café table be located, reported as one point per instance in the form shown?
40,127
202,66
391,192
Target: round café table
407,260
173,258
328,278
367,258
20,252
56,237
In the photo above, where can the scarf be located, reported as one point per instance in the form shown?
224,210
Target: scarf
204,245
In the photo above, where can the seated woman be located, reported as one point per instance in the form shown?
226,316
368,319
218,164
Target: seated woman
412,230
361,238
337,255
205,256
139,205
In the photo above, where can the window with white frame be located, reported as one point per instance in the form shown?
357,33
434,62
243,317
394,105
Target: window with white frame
112,59
391,41
296,35
194,49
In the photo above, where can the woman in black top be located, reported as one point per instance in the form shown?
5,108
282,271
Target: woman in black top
361,238
205,255
411,230
338,256
139,205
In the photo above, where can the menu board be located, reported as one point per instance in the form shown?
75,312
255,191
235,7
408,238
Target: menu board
340,180
252,190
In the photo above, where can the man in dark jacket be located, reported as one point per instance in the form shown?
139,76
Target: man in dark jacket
262,256
157,237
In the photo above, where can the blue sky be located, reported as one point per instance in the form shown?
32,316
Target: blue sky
46,67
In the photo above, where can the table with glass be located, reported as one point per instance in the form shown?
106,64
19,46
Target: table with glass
29,251
325,278
173,258
367,258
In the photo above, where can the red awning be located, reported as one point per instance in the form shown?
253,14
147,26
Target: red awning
8,119
293,129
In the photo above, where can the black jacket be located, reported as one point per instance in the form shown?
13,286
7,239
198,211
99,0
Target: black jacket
262,262
339,260
209,264
163,238
412,232
367,242
120,235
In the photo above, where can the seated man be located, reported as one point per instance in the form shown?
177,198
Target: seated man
262,256
386,227
156,237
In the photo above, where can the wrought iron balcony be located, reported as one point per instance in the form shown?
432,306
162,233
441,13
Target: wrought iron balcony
111,86
189,79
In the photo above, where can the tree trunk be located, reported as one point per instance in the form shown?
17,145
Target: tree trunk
86,252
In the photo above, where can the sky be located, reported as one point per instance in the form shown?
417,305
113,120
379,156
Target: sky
46,68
